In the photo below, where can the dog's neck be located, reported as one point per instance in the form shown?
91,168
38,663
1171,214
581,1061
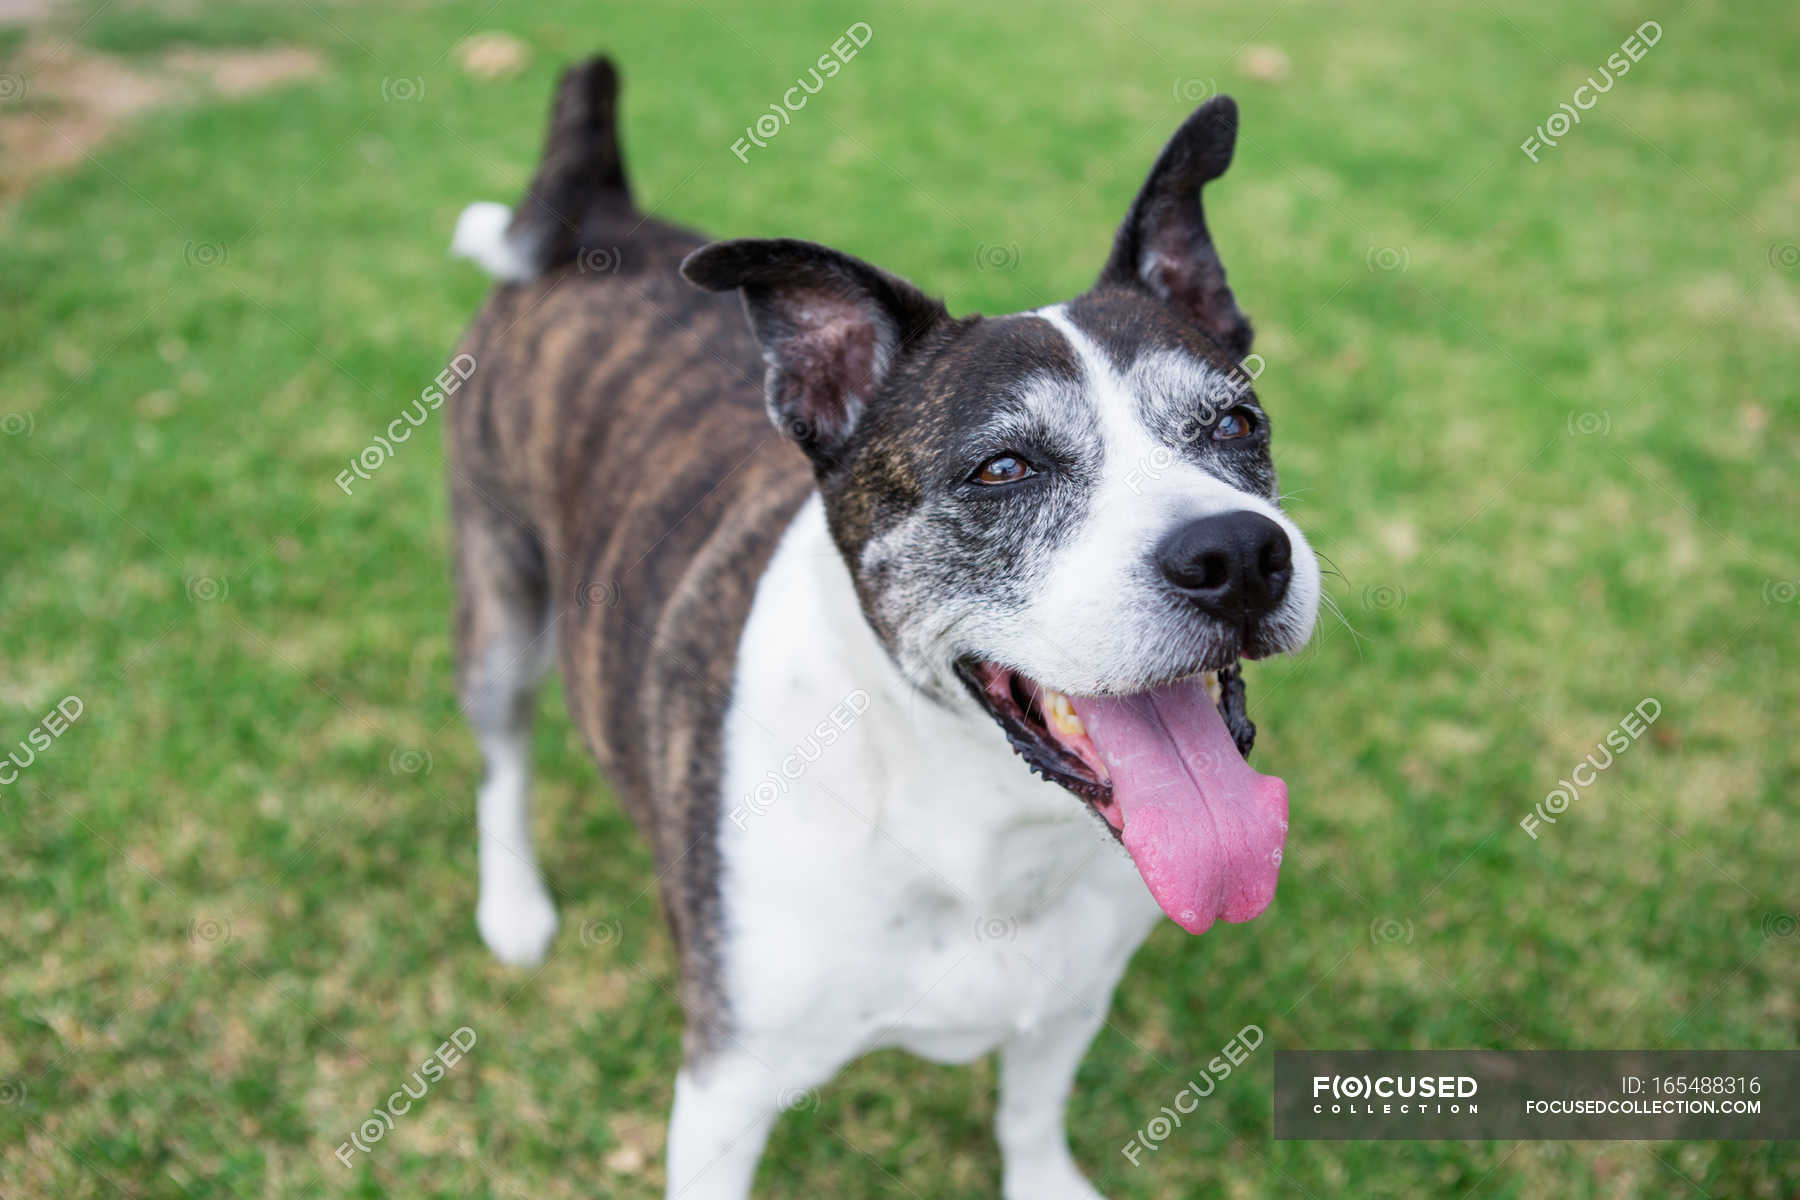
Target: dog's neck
942,723
936,778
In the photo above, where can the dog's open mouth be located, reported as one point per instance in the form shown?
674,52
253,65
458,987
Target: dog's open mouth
1165,768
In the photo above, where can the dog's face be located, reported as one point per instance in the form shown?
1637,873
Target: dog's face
1082,494
1068,515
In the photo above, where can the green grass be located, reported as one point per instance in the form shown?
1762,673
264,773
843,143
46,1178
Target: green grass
234,921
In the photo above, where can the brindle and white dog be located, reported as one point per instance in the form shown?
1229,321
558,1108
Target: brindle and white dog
823,664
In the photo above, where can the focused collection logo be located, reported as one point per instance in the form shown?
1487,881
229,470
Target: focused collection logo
1531,1095
1390,1095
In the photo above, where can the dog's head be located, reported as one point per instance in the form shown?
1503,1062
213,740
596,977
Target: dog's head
1068,515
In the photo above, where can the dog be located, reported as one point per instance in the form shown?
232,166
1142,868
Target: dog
911,642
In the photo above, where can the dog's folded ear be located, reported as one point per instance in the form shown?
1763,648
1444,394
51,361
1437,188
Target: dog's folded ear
830,325
1163,244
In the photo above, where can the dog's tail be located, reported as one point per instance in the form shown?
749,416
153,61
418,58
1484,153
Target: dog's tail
578,192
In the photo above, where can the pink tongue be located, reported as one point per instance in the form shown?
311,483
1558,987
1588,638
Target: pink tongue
1204,829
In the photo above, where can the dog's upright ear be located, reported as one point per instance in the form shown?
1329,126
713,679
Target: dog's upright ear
1163,244
831,326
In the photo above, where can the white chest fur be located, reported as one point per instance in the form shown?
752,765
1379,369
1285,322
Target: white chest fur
892,872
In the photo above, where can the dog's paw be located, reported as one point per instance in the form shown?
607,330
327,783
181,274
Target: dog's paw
517,923
1048,1182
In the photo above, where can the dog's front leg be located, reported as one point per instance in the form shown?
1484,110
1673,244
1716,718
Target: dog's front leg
1037,1070
724,1109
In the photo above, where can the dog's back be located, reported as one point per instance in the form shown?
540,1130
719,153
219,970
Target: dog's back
617,491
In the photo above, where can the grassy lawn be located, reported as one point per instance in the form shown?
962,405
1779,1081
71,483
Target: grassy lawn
1541,415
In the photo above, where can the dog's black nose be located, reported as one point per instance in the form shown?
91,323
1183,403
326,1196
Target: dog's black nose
1234,566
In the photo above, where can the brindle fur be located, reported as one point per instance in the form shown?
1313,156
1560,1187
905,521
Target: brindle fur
616,485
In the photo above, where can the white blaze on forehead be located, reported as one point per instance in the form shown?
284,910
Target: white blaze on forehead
1138,464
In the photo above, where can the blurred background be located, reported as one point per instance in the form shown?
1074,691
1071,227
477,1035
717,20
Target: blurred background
1533,381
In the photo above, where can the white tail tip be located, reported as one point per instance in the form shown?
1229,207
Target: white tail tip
481,238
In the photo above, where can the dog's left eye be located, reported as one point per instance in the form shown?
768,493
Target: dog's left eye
1238,423
1002,468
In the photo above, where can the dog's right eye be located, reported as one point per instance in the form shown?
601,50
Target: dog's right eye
1002,469
1238,423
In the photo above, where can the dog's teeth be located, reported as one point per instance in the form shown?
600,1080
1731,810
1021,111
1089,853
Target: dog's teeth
1211,680
1062,715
